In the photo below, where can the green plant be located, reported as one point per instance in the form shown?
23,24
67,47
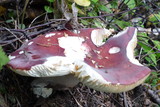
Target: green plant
150,49
130,3
3,58
151,54
49,8
153,79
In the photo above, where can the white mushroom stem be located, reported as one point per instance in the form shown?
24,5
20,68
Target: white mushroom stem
62,81
44,86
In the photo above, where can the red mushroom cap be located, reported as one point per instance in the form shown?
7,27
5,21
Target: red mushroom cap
113,64
109,66
44,53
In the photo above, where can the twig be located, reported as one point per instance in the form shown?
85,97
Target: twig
75,98
115,100
38,32
154,96
125,99
15,30
52,21
13,34
18,103
3,43
23,12
137,97
36,19
111,14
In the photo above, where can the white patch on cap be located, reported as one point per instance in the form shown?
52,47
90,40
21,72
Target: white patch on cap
48,39
30,43
21,52
106,57
118,83
76,31
99,35
26,40
130,49
11,57
73,47
50,35
114,50
93,62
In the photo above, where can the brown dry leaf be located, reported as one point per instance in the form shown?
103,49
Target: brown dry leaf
2,10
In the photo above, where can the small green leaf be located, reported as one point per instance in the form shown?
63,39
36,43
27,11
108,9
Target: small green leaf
11,13
149,51
122,24
48,9
156,43
114,4
153,58
22,26
93,13
154,17
99,24
154,73
9,21
145,47
51,1
95,1
104,8
3,58
143,36
130,3
153,78
85,22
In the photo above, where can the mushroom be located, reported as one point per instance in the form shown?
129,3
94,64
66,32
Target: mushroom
108,67
45,57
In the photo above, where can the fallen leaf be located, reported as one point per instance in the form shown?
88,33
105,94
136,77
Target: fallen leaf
83,2
2,10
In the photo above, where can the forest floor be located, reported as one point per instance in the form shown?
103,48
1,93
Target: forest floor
18,92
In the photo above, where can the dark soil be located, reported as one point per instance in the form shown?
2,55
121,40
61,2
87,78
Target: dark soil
17,92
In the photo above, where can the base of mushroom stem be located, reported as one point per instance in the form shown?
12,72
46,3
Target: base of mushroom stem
44,86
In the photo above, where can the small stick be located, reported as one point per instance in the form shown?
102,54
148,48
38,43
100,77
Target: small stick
154,96
125,99
75,98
